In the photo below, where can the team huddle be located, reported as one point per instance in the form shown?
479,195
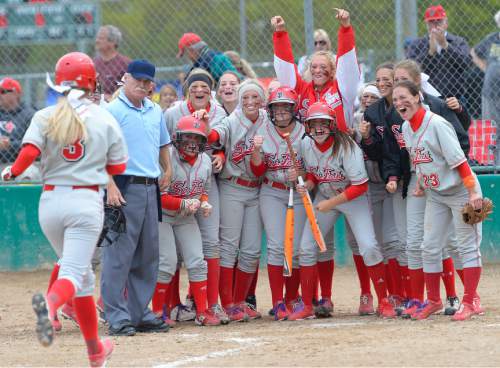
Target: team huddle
397,171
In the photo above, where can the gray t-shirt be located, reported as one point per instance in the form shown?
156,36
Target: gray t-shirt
489,50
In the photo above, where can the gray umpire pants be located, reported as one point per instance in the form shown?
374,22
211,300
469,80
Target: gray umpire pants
130,264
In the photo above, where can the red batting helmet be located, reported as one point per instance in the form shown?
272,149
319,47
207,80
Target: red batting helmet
191,125
76,69
284,95
321,111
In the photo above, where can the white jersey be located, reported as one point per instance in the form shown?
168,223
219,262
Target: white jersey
434,152
189,181
173,114
236,134
275,152
83,162
334,172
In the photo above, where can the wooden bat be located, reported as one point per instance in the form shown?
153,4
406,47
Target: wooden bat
287,266
306,199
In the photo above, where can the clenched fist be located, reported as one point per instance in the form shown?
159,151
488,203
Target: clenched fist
258,141
343,16
278,23
364,129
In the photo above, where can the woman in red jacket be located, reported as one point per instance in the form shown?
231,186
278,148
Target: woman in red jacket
333,81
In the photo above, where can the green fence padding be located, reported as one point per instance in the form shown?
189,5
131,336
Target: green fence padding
24,247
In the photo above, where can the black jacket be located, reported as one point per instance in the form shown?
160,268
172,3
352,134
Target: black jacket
13,124
396,162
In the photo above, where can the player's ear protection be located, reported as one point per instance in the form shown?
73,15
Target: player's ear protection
76,69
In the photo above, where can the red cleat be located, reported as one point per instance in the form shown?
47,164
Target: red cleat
385,309
301,313
280,311
428,308
464,312
250,311
366,305
476,303
99,360
207,319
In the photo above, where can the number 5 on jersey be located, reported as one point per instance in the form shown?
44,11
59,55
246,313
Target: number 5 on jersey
73,152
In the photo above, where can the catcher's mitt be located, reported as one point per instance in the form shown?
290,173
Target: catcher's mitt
472,216
114,225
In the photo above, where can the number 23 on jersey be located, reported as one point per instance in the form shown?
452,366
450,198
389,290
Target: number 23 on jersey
73,152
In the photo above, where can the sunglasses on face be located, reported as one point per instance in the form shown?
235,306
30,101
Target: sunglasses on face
5,91
321,42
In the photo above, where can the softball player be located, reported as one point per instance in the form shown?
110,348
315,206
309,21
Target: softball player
227,91
186,195
79,143
335,164
333,81
444,173
199,85
271,160
241,226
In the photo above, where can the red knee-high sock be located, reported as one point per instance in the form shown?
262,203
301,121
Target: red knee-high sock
363,276
395,277
460,274
388,280
199,293
325,273
253,285
448,276
226,286
175,297
61,292
316,287
405,281
87,320
471,281
377,274
276,282
308,277
160,297
417,284
53,276
213,278
292,284
242,282
432,285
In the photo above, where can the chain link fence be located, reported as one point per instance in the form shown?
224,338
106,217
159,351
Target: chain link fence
33,35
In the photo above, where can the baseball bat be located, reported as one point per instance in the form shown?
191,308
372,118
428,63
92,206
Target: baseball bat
287,266
306,199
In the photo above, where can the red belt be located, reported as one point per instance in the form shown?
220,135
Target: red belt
49,187
245,183
276,184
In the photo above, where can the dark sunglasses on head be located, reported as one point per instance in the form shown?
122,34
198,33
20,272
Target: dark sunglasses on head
322,43
4,91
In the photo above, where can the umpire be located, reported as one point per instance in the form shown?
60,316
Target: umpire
130,264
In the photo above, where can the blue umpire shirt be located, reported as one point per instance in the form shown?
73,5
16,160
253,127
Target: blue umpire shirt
145,131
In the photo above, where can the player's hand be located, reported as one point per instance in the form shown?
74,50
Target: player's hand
164,181
364,129
4,143
206,209
418,191
278,23
7,174
475,199
201,114
453,103
114,196
292,175
392,186
217,163
189,206
258,141
343,16
324,206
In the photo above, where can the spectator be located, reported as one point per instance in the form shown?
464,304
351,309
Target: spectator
109,63
203,57
168,95
15,117
273,86
241,65
369,94
442,55
131,264
322,42
227,91
486,55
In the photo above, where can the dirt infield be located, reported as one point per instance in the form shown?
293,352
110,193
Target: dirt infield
344,340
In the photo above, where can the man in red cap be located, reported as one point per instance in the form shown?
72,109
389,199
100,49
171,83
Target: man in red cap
442,55
15,117
198,52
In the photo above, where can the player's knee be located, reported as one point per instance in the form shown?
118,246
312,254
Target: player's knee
371,254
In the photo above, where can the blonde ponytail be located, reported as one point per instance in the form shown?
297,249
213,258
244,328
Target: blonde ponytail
65,126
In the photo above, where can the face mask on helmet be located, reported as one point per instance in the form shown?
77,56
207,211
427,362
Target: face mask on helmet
190,144
319,129
281,114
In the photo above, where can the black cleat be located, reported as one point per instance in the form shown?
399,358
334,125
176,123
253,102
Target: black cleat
44,328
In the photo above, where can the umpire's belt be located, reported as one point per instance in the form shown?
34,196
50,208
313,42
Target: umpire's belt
143,180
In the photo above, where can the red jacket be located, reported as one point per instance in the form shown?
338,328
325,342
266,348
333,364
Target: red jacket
340,93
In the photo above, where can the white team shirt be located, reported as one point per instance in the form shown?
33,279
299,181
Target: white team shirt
334,172
275,151
434,152
236,134
189,181
84,162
